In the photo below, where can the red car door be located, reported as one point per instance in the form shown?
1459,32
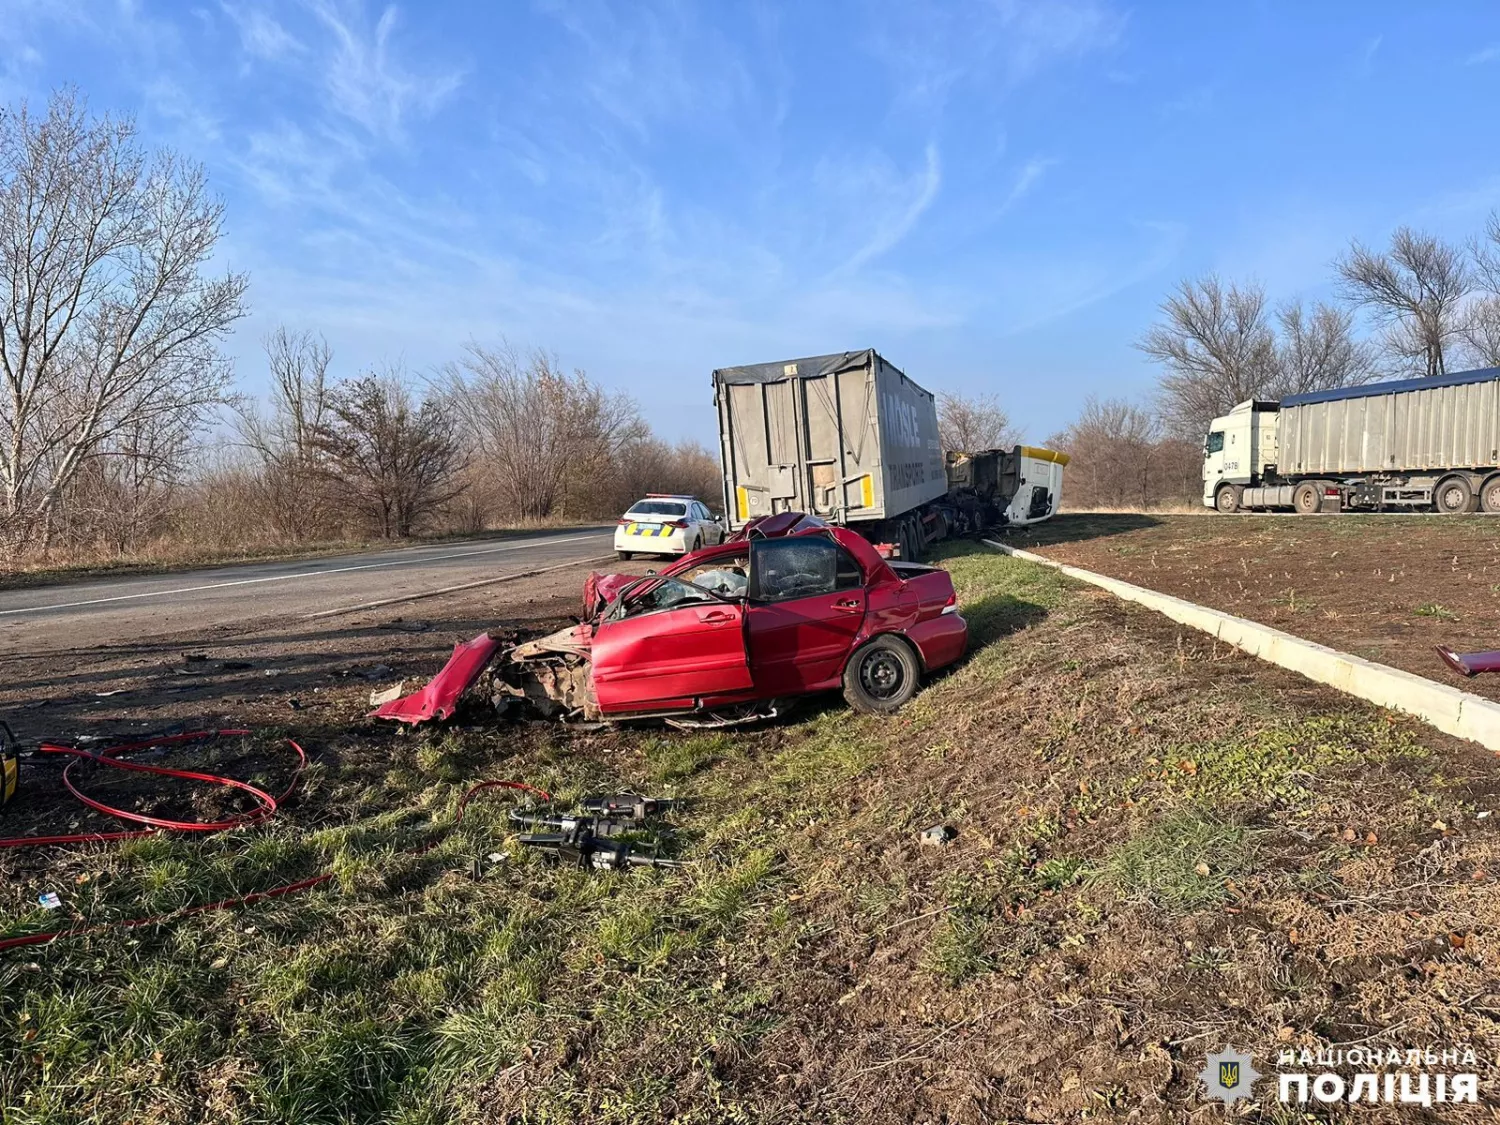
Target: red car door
807,603
668,657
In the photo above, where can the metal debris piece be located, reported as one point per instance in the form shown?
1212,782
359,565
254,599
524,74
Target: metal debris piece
380,698
1470,663
938,835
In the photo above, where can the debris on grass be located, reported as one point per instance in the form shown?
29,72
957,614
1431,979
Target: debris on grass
938,835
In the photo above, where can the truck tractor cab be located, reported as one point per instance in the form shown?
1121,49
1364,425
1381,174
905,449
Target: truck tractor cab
1238,451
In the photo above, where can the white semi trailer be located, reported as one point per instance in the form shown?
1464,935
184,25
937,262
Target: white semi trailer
1430,443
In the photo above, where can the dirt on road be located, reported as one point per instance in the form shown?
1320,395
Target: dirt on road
268,672
1387,588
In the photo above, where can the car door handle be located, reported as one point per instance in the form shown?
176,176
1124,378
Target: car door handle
716,617
849,604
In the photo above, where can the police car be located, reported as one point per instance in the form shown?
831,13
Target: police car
666,525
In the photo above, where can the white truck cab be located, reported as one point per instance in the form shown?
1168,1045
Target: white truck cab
1236,452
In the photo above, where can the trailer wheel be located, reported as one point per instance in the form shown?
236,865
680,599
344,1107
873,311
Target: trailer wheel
626,555
1227,498
910,538
1454,496
1307,498
1489,495
881,676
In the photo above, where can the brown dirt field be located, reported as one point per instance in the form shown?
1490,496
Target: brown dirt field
1387,588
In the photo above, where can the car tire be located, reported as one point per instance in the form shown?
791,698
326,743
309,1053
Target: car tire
626,555
1307,500
881,676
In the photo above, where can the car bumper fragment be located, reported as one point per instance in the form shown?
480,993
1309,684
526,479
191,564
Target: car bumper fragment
439,698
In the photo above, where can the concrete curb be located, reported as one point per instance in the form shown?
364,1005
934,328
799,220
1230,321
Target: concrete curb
1452,711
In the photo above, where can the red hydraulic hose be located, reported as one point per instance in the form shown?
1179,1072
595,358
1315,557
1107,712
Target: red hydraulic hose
223,904
266,804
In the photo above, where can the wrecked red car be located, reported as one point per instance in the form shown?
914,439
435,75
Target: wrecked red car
727,634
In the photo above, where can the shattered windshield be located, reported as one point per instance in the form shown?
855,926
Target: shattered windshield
669,593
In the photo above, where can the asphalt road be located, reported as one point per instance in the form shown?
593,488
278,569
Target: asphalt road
112,611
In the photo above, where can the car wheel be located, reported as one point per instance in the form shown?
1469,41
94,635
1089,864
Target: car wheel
881,676
1227,498
1454,496
626,555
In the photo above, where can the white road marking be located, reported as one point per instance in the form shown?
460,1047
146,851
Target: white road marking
291,577
453,589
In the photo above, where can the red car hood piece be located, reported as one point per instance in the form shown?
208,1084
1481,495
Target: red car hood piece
1470,663
438,699
599,589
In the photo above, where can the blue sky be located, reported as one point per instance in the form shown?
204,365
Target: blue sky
994,194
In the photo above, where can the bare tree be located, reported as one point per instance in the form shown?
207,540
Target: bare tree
108,321
1481,332
1217,349
1122,458
284,439
298,362
392,459
652,465
969,423
541,434
1415,290
1317,351
1481,320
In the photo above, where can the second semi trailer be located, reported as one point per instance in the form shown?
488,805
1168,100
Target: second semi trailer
850,438
1429,443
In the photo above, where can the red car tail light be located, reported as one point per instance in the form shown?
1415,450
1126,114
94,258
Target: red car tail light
951,605
678,523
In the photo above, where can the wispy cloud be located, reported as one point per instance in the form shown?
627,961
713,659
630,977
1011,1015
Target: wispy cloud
889,228
986,46
1367,54
366,83
260,34
1030,174
1484,55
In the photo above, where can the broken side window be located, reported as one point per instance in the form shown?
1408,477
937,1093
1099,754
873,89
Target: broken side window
800,567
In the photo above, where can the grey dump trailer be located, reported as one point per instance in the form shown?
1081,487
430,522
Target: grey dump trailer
1430,443
851,439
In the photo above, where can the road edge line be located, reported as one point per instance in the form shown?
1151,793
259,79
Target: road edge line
1447,708
452,589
